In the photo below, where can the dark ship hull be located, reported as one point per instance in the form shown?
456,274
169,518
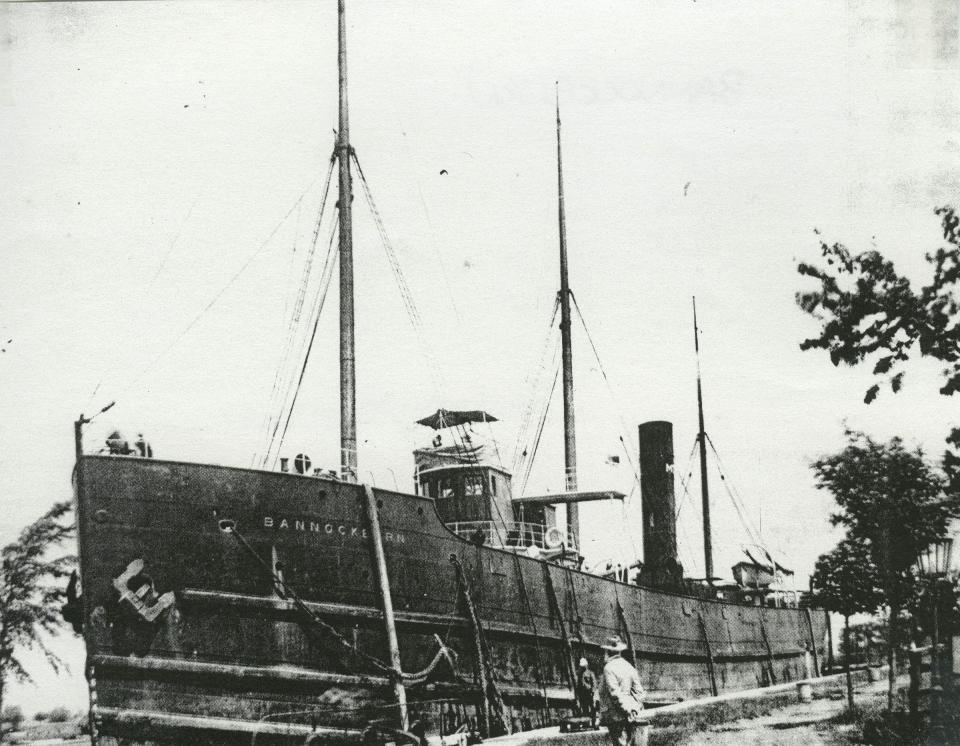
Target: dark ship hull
203,645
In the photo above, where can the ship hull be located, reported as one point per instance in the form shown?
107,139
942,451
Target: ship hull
200,644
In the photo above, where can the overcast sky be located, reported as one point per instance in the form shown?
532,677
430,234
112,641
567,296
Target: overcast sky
160,156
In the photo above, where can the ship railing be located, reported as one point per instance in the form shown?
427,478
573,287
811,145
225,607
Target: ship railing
515,535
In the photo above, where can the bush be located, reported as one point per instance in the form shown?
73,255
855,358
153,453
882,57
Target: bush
12,715
59,715
40,717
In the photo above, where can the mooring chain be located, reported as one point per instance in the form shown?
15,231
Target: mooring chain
444,652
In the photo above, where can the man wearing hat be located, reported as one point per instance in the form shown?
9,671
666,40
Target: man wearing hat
587,692
621,694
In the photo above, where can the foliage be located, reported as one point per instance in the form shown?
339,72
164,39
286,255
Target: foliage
868,311
59,715
12,715
891,501
846,580
31,590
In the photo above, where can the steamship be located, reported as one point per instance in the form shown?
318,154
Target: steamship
237,606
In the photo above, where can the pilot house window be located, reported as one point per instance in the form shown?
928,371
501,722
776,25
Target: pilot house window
473,486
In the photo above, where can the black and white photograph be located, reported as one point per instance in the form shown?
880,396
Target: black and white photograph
420,373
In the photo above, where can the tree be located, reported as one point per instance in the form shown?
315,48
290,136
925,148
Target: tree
30,592
846,581
891,504
868,311
12,716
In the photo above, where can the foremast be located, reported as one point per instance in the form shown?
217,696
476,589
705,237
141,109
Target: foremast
569,425
348,384
702,439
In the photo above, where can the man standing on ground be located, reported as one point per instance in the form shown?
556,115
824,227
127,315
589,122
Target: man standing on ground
587,692
621,694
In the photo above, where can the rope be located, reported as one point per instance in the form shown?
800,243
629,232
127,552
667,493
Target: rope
146,295
536,443
275,395
533,380
536,633
444,652
492,701
606,380
333,251
411,308
685,482
243,268
634,468
576,606
735,499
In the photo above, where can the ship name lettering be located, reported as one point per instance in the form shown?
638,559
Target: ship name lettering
343,529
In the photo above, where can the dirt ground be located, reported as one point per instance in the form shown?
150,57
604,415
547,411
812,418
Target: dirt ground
800,724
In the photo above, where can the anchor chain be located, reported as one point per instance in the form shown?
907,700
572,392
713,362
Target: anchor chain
443,653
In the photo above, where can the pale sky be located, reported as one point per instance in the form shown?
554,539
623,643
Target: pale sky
151,152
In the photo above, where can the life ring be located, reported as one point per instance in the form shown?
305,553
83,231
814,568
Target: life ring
554,538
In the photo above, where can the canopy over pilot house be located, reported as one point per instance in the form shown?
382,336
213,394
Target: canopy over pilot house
453,417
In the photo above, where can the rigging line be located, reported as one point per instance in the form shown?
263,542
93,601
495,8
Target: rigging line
525,463
606,379
685,482
538,433
173,243
186,330
530,613
334,252
633,468
603,372
536,443
635,483
741,508
740,511
694,562
405,294
496,446
625,520
304,282
280,402
538,391
533,381
283,378
433,232
147,293
548,387
267,418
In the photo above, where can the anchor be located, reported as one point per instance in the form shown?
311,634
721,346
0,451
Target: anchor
141,595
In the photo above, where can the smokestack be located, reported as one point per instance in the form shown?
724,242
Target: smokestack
660,565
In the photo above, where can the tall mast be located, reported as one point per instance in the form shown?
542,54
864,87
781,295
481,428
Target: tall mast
348,384
702,438
569,429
